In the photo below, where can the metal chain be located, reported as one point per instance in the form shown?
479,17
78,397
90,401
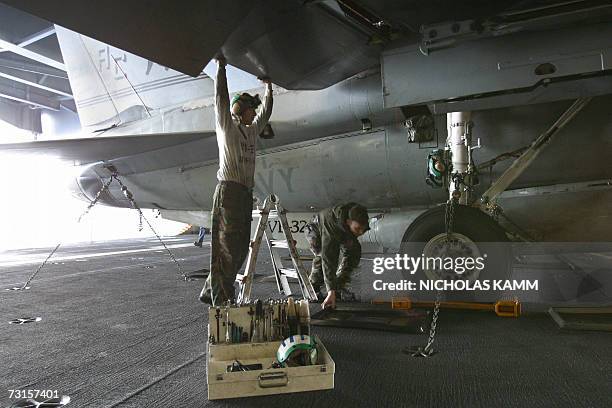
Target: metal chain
449,217
96,198
449,222
428,351
130,198
89,207
40,267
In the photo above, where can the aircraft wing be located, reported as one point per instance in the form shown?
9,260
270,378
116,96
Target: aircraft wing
307,44
89,150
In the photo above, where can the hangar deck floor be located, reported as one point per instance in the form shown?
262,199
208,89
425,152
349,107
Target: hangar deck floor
120,329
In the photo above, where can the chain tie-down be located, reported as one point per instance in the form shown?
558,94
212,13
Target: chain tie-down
428,351
130,198
128,194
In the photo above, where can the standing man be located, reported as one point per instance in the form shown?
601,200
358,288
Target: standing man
237,126
333,240
201,235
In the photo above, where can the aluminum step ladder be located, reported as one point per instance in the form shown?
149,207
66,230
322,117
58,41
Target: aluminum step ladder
272,209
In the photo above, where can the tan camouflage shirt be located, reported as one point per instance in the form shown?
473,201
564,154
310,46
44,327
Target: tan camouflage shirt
237,142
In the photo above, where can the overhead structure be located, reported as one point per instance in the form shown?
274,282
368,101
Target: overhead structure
33,76
24,52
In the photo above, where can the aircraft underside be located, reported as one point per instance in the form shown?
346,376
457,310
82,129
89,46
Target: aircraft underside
383,170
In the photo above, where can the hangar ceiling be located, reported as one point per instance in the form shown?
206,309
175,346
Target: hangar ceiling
32,73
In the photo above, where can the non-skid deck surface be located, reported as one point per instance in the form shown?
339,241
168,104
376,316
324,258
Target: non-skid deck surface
123,330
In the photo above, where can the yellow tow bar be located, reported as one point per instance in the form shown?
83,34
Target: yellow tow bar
504,308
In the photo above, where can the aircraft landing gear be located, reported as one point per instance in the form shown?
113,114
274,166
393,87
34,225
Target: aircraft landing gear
474,235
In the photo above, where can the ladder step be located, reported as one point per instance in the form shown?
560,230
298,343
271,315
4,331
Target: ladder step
272,209
271,213
279,243
289,272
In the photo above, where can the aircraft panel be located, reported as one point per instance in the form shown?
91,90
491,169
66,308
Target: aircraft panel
494,64
149,29
346,173
298,44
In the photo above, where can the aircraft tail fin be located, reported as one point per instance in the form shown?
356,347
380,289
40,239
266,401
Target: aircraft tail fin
112,87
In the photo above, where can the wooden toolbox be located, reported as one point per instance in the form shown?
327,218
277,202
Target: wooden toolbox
243,351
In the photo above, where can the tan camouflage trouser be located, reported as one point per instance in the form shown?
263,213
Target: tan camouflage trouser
230,238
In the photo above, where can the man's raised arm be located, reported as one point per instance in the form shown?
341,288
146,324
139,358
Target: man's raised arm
262,119
222,108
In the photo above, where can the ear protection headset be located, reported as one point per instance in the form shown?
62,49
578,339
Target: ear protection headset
245,100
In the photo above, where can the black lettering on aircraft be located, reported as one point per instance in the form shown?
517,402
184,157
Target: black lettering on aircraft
269,185
275,226
265,182
287,177
297,226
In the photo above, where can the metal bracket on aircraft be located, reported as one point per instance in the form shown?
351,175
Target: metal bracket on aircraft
111,168
444,35
438,36
488,200
489,197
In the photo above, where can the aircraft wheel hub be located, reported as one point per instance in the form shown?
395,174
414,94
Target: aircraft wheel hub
453,246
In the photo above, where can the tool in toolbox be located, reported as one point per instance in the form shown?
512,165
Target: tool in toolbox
271,209
273,320
260,321
277,355
270,349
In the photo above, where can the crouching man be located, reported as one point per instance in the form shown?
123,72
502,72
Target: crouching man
333,240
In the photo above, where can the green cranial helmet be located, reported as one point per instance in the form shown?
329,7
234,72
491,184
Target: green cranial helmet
297,350
247,100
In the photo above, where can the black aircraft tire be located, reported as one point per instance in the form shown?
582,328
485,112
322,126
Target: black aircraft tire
481,229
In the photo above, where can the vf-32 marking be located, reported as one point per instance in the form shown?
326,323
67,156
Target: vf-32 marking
296,226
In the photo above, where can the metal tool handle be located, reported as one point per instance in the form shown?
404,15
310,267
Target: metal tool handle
272,380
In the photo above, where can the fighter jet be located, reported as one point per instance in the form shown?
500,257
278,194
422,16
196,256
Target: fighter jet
503,106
